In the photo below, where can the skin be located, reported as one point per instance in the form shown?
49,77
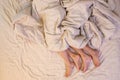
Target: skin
68,63
76,59
81,60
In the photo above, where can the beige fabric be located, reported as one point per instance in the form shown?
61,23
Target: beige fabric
23,46
85,22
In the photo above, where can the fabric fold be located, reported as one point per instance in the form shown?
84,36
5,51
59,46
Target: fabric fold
73,23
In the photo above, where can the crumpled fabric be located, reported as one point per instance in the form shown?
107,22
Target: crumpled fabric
59,24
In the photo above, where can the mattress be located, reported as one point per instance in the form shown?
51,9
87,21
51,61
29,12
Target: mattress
21,59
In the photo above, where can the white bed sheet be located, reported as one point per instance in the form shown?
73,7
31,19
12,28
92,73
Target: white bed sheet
21,60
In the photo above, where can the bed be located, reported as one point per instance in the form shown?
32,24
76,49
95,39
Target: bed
22,59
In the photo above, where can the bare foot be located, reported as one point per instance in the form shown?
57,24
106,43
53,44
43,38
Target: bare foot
69,65
85,59
94,54
76,59
69,69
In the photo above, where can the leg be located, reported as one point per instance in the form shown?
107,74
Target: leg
85,59
76,59
68,64
94,54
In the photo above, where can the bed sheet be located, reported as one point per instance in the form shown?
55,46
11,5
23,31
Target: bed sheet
25,60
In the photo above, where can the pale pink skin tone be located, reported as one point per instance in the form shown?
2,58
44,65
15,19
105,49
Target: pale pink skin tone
80,61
